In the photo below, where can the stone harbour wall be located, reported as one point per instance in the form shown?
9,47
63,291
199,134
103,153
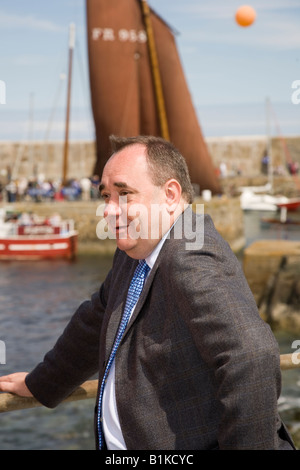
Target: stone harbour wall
29,160
241,155
272,269
244,154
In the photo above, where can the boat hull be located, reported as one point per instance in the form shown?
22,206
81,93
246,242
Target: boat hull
39,247
291,205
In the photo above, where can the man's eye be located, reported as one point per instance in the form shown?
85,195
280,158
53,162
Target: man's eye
104,196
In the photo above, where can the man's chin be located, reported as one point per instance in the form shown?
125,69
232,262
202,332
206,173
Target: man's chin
126,244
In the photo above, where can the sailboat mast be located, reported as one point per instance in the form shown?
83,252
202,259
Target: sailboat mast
269,144
66,145
156,73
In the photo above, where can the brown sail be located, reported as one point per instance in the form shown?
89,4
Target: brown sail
122,89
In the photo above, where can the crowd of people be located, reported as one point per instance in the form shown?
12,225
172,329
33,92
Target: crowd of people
41,189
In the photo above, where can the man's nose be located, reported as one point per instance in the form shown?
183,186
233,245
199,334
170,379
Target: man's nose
112,209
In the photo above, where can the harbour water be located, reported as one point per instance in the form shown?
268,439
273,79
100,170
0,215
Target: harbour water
36,301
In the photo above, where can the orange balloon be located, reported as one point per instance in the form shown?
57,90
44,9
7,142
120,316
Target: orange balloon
245,15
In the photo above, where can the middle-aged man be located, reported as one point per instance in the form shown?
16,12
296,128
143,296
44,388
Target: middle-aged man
196,368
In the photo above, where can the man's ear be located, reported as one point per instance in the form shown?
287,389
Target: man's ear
173,194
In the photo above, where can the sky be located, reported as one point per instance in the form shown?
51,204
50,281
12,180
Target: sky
231,71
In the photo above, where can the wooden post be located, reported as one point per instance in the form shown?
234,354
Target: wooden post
287,361
11,402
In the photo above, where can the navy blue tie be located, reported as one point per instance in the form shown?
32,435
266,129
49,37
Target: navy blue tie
133,294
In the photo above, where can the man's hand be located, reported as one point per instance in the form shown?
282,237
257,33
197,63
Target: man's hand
15,383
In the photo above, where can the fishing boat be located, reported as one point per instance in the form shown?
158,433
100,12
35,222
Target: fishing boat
138,85
251,200
292,204
30,237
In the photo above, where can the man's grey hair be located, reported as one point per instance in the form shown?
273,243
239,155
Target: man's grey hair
164,160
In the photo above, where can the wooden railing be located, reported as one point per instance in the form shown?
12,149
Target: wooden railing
10,402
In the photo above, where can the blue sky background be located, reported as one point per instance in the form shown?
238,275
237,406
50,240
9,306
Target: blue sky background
230,70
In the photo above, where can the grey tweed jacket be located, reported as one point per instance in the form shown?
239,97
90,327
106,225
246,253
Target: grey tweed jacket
197,367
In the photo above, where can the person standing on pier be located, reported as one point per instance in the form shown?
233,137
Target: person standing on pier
196,367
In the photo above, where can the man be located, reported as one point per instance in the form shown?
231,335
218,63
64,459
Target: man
196,368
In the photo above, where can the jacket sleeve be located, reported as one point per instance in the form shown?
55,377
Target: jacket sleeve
75,356
233,341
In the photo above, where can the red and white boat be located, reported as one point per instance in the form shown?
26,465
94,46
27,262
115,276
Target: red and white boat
292,204
29,237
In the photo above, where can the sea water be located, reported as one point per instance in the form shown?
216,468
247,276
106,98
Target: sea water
37,299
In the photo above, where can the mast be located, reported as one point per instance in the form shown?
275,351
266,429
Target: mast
66,145
156,73
30,137
269,144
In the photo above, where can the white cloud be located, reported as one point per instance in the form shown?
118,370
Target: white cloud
275,34
11,21
15,127
276,25
29,59
219,9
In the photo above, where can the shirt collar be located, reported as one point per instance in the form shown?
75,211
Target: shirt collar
150,260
